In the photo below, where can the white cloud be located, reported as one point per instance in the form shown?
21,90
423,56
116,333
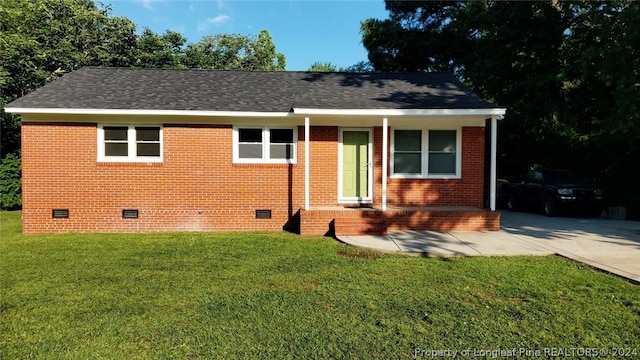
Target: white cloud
219,20
147,4
216,21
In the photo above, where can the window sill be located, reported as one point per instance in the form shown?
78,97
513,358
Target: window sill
129,163
264,164
291,162
426,177
125,159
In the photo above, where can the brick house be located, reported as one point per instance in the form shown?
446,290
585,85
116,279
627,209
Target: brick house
140,150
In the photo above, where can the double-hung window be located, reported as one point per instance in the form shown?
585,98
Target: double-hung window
129,143
408,152
442,152
250,143
264,144
425,153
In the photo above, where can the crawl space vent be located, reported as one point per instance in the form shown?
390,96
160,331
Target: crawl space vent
129,214
60,213
263,214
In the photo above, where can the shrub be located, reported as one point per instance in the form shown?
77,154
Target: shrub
10,183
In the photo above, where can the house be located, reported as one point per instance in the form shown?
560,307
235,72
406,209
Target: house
140,150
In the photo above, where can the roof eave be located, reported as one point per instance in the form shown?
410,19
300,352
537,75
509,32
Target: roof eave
296,111
68,111
400,112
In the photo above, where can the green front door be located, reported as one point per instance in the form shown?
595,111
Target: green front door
355,169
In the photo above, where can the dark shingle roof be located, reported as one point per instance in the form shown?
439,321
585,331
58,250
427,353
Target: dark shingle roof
231,90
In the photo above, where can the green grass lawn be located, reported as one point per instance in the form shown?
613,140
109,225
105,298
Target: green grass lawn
277,295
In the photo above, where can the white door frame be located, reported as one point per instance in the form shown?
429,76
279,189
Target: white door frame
369,198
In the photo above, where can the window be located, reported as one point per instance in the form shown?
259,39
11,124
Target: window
147,141
425,153
250,143
264,145
408,152
130,143
442,152
115,141
281,143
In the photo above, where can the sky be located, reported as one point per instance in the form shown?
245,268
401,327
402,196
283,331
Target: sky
305,31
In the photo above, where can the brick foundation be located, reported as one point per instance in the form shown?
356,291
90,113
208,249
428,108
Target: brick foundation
376,222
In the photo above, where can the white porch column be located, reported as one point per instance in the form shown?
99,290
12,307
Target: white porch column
306,163
494,152
385,151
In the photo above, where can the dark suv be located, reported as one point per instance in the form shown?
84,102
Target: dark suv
553,191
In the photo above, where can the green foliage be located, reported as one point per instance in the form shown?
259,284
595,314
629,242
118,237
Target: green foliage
415,38
568,73
263,55
602,87
234,51
10,189
9,129
359,67
519,69
42,40
277,295
324,67
160,51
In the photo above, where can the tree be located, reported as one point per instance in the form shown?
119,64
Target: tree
416,37
160,51
41,40
10,190
601,76
324,67
519,68
263,55
568,73
235,51
360,67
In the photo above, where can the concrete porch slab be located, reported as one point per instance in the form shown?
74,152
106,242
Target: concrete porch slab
448,244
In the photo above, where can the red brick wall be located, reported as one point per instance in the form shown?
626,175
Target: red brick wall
323,169
376,222
197,187
467,191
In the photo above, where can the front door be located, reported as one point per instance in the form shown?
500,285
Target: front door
356,170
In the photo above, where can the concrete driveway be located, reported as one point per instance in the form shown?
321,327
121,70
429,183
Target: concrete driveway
611,245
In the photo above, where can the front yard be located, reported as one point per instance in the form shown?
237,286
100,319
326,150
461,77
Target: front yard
277,295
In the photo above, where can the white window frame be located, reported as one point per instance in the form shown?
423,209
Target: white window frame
266,145
131,143
425,155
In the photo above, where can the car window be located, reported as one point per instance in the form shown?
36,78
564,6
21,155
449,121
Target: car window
537,177
561,177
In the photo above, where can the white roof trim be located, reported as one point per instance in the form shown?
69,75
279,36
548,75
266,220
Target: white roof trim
296,111
399,112
143,112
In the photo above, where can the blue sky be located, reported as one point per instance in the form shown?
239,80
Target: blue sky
305,31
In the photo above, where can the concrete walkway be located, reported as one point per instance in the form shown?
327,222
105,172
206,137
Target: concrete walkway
610,245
